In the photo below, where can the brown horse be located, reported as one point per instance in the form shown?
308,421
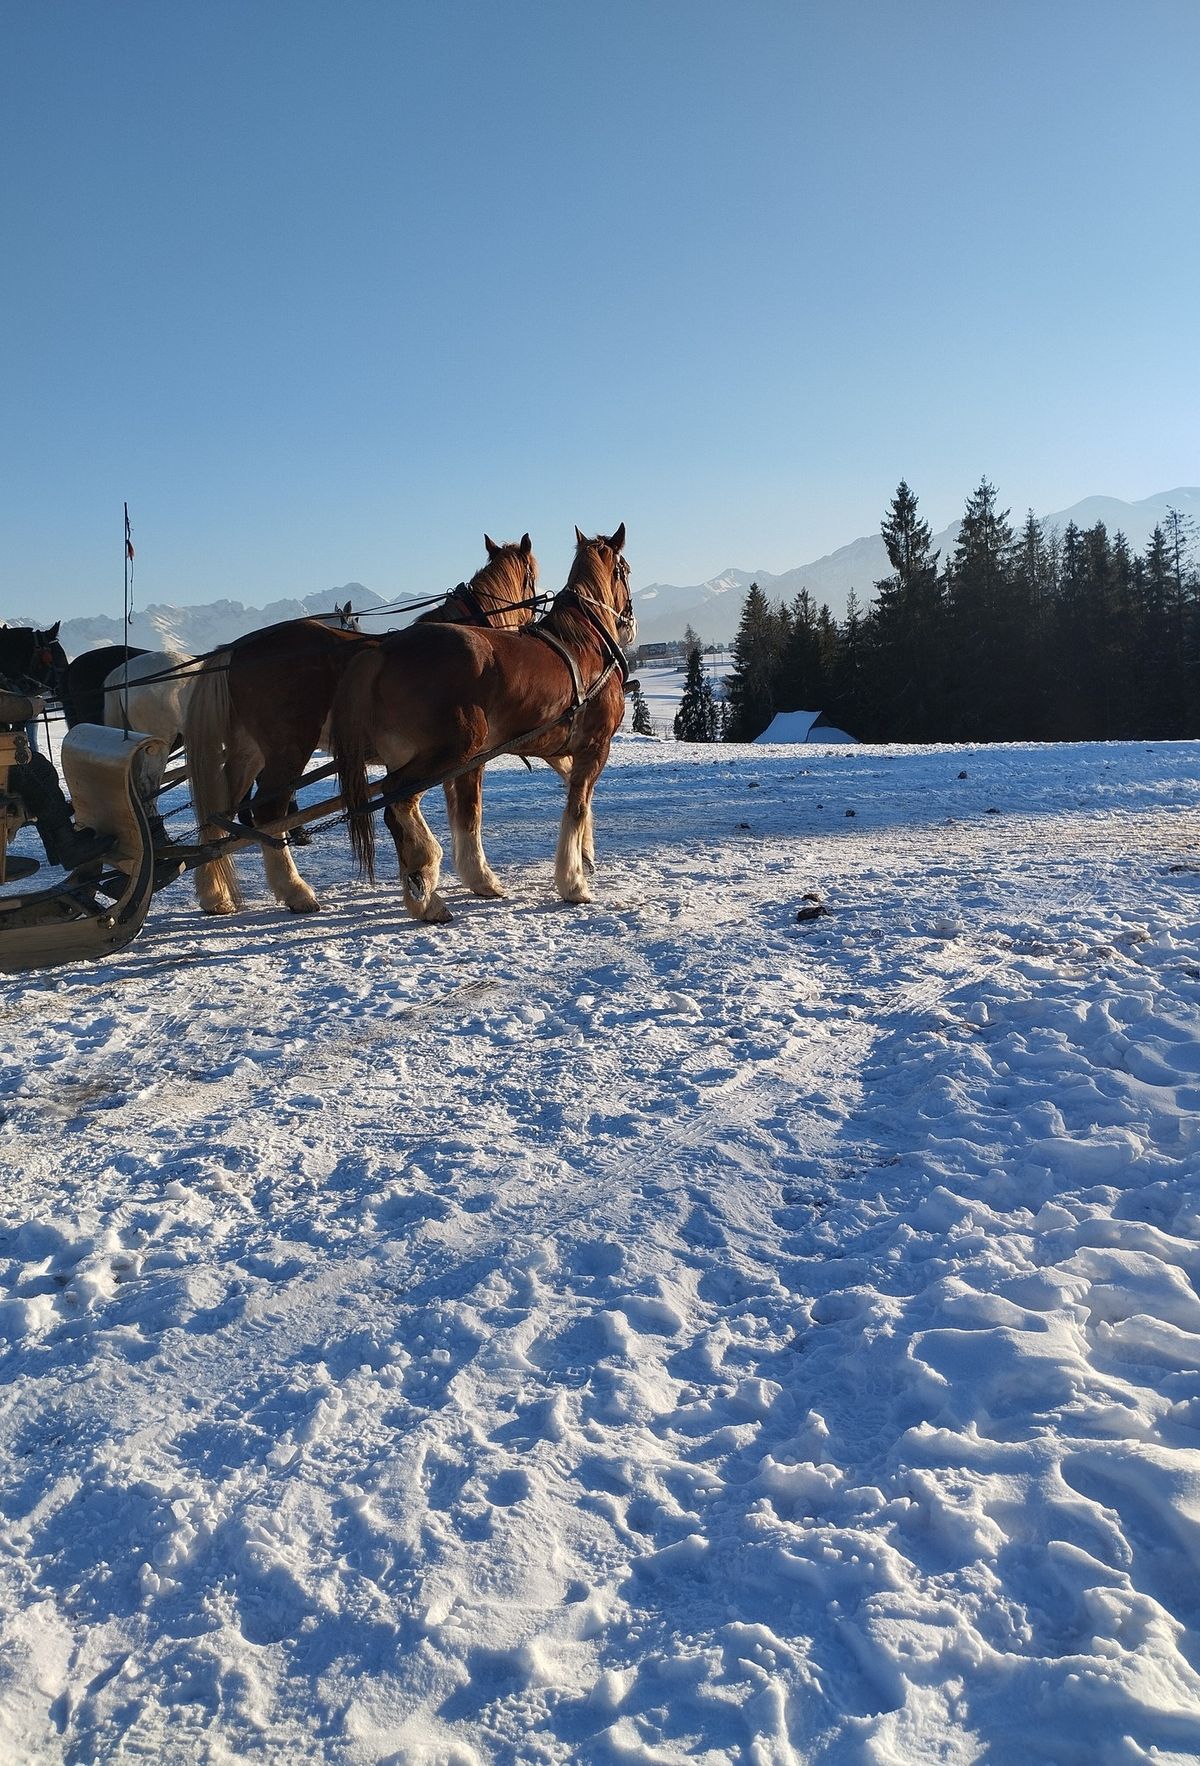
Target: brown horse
445,699
259,710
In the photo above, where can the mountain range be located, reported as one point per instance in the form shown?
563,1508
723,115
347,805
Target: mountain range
194,630
712,608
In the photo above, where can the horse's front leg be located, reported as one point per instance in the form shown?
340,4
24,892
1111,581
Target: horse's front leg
561,764
575,830
420,856
464,806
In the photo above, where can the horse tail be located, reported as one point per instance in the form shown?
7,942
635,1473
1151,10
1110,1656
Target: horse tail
207,736
349,744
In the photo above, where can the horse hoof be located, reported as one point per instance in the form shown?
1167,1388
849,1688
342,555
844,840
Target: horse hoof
437,914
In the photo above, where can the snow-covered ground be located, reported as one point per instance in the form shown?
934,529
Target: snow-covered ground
652,1331
662,689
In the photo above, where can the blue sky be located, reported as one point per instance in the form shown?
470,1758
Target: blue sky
325,290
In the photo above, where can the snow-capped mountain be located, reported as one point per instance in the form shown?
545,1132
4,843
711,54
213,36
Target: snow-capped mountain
196,629
713,608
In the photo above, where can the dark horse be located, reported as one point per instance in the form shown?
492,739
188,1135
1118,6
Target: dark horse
259,709
35,662
83,684
441,699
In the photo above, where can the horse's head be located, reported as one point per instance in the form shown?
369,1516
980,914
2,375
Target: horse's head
342,619
49,660
34,659
600,573
504,590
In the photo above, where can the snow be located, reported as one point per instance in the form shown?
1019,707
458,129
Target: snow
662,688
659,1330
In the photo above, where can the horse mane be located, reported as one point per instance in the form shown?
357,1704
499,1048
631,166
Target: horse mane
498,585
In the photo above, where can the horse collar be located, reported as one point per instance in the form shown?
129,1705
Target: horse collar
470,600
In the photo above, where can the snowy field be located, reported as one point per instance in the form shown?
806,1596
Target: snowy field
653,1331
662,689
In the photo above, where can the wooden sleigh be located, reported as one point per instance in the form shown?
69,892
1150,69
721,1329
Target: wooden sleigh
99,908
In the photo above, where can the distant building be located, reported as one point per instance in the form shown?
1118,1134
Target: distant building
803,726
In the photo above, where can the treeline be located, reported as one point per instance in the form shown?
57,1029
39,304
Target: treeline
1017,635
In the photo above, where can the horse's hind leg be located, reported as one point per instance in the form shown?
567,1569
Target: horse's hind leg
217,888
464,805
420,856
271,803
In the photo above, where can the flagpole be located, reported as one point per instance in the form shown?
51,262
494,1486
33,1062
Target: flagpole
128,607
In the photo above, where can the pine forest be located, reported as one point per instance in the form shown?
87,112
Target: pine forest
1021,634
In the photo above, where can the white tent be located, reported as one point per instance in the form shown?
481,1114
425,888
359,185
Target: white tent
802,726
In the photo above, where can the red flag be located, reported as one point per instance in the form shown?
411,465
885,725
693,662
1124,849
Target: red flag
128,537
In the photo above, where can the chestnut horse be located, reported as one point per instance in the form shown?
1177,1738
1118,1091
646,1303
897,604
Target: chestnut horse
259,708
445,699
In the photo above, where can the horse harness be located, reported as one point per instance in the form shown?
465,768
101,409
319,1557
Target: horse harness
609,647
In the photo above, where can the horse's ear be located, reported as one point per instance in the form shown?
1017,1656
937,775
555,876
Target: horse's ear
52,634
490,545
526,544
617,542
580,538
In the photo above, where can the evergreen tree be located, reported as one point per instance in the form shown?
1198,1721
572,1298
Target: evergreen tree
1128,642
978,579
845,703
903,649
696,720
641,712
1180,536
1032,600
801,683
1165,708
756,651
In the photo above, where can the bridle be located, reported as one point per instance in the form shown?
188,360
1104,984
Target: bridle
42,658
621,616
610,643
